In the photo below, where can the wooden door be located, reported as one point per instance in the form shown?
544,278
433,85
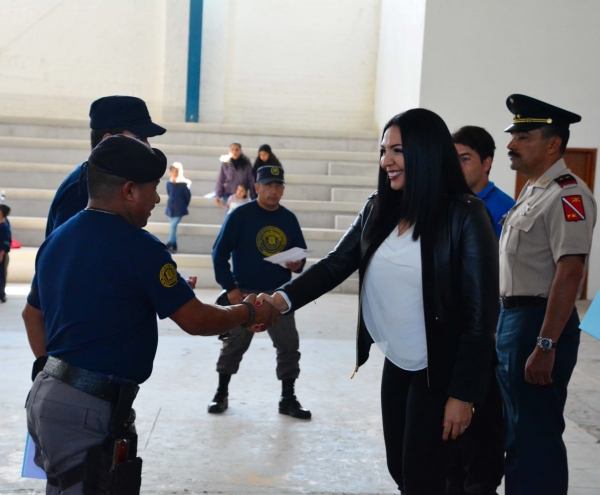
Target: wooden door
582,162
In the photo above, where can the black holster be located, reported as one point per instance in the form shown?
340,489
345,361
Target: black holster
113,467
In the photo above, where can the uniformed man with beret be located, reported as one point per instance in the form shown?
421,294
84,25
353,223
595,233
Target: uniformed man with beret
91,323
109,115
544,250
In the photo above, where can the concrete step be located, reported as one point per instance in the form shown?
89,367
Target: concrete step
354,169
199,134
299,186
350,195
191,238
311,214
74,151
343,222
22,268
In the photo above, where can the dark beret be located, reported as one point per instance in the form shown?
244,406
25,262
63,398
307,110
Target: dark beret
127,112
529,113
129,158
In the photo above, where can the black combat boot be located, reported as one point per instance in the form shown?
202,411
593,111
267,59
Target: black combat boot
220,403
288,404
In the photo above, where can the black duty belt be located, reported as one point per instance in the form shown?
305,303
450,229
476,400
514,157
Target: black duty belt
84,380
522,301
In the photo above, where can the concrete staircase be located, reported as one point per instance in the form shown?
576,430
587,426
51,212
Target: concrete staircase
329,175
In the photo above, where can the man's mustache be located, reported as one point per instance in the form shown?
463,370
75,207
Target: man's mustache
513,154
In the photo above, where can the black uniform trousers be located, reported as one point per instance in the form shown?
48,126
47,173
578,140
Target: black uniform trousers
413,414
536,457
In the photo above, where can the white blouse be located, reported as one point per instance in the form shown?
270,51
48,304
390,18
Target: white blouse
392,301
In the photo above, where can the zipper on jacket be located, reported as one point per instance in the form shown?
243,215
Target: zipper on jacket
358,330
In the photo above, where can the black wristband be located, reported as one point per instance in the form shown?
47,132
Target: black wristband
252,317
38,365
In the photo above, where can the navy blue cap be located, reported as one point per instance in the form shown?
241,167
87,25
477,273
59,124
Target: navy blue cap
129,158
127,112
530,114
267,174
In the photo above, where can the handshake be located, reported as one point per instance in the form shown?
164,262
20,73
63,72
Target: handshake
267,309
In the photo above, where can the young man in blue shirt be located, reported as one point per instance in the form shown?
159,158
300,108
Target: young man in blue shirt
479,468
476,148
251,233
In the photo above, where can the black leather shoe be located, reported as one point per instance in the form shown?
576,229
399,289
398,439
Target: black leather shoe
219,403
291,407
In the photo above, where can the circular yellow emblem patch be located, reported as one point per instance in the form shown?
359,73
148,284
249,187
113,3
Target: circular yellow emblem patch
168,275
275,171
270,241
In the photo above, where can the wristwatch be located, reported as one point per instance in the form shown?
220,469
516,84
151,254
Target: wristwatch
545,344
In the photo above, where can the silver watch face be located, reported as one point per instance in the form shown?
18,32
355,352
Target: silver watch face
546,344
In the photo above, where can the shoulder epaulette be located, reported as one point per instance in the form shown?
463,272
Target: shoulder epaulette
566,180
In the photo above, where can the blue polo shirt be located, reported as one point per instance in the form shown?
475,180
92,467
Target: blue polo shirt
100,282
497,202
71,197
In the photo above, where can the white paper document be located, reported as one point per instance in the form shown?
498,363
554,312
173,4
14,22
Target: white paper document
294,254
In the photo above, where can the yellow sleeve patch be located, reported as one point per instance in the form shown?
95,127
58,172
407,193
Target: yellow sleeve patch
168,276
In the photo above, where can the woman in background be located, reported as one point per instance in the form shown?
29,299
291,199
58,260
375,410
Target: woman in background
179,192
427,258
265,157
235,170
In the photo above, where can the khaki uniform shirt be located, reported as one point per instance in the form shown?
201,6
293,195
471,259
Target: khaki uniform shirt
549,220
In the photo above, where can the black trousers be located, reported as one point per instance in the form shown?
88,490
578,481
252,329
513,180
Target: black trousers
3,275
417,458
479,467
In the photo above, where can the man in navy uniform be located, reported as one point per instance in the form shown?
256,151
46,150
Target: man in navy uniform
544,248
91,322
109,115
251,233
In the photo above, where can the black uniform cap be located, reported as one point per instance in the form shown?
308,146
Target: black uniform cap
530,113
127,112
129,158
267,174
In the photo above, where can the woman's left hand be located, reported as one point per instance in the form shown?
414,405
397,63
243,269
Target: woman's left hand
457,418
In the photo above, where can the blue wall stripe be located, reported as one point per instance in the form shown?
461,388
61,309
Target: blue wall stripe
192,100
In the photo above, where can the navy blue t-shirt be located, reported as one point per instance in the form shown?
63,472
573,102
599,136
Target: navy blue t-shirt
249,235
100,283
71,197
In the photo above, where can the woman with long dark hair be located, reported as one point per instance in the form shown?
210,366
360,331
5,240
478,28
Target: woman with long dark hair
427,258
265,157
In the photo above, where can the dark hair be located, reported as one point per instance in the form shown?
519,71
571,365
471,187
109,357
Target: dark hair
476,138
236,142
563,133
102,185
5,209
432,172
96,135
273,161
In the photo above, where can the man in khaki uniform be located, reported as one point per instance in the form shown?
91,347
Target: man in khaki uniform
544,247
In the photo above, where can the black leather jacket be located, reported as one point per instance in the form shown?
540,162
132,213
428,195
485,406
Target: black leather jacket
459,262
